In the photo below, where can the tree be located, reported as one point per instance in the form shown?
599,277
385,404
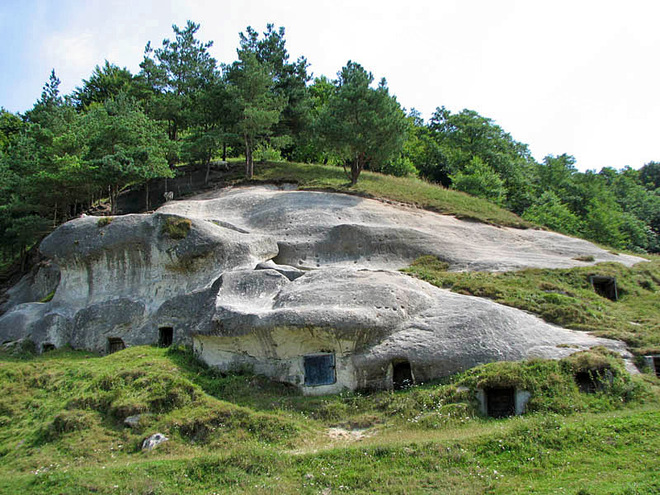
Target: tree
649,175
123,146
174,73
364,125
105,82
259,108
213,123
289,83
466,135
479,179
10,127
550,212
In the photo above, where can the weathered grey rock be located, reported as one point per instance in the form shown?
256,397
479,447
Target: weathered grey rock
37,285
371,320
154,441
274,280
289,272
133,422
317,229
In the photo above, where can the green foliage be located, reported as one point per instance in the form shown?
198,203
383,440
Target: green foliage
104,221
364,126
467,135
478,179
251,85
550,212
176,228
61,431
105,83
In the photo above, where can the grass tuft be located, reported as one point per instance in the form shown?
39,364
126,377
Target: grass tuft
176,228
104,221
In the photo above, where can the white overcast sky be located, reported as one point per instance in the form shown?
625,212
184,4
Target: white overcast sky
580,77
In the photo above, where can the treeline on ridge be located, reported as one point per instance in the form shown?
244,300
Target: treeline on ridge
119,129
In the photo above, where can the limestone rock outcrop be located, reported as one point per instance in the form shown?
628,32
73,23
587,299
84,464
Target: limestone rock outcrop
301,286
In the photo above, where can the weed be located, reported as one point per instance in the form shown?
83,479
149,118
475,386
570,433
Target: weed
104,221
48,297
176,228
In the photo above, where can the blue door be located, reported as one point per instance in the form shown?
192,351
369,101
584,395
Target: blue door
320,369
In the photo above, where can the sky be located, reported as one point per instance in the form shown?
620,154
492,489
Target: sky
579,77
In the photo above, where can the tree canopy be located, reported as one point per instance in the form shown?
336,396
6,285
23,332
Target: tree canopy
119,129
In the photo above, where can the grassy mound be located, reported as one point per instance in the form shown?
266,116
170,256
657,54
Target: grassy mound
62,430
566,297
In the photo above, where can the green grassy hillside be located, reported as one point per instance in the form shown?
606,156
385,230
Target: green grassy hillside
62,431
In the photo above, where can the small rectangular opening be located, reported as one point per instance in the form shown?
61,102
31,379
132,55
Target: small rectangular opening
115,344
319,369
656,365
586,382
500,402
165,336
605,286
47,347
401,375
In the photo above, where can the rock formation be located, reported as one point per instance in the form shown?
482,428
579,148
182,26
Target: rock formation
300,286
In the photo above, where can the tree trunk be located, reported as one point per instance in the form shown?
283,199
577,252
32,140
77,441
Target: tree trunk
146,196
356,168
224,152
113,199
208,170
249,164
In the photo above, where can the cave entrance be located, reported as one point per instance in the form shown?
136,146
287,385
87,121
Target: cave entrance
319,369
586,382
115,344
401,375
47,347
656,365
605,286
500,402
165,336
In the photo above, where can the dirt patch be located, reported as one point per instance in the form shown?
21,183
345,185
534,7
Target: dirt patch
354,435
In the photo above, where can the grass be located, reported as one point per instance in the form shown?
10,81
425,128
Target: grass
104,221
410,191
566,297
176,228
62,431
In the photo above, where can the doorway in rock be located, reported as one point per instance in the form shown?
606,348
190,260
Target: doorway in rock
401,375
500,402
656,365
319,369
165,336
605,286
46,347
115,344
586,381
